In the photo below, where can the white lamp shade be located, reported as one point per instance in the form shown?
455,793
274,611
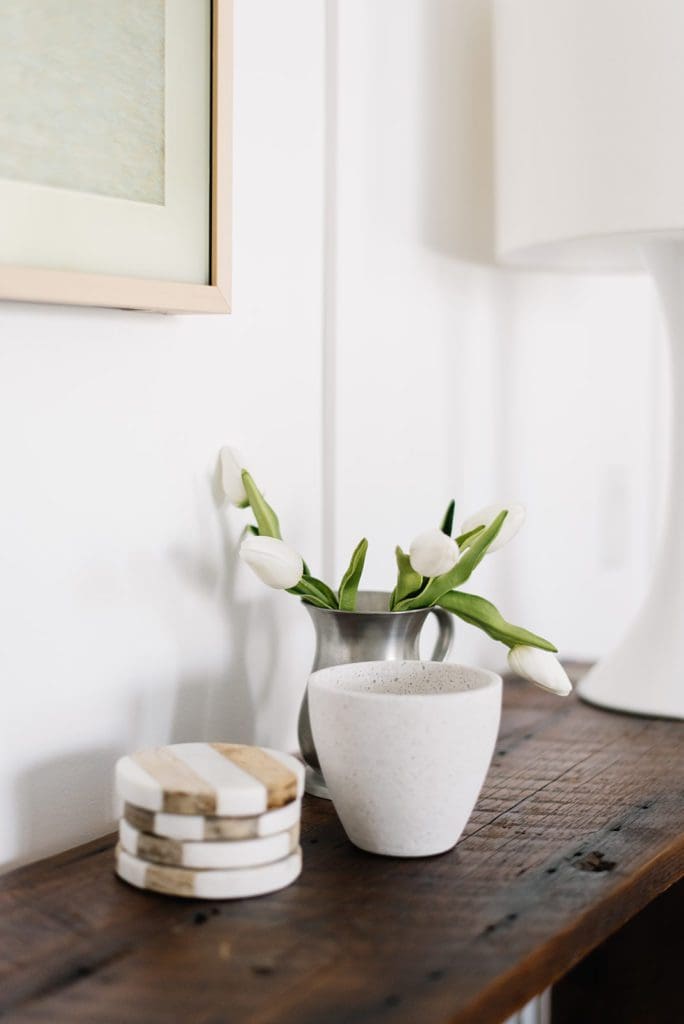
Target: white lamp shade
589,130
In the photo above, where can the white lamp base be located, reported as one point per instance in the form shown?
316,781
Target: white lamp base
645,675
638,678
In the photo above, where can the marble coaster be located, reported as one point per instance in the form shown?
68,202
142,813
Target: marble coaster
235,883
241,853
199,827
224,779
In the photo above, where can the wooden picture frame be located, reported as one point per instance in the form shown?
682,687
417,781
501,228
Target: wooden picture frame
30,284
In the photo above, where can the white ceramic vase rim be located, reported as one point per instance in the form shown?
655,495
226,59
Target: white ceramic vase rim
333,679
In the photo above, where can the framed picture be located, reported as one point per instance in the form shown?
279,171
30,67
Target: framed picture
115,153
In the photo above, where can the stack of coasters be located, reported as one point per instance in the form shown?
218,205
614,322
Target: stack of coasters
209,820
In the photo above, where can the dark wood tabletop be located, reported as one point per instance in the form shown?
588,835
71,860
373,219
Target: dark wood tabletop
579,828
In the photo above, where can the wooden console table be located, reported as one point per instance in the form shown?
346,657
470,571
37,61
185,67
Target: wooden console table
579,830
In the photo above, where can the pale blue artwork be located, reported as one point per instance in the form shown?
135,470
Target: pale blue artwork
82,96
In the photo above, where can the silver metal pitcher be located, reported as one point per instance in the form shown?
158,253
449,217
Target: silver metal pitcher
371,633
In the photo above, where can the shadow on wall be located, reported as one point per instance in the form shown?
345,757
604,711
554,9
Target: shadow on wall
69,799
225,703
455,108
55,797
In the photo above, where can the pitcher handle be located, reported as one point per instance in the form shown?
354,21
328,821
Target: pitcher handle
445,637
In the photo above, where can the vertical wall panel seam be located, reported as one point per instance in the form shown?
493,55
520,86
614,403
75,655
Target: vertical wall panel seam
329,292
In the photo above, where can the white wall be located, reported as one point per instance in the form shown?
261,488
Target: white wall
456,379
122,619
425,374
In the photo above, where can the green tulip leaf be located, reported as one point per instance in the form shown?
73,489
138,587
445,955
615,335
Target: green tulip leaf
462,571
448,521
477,611
266,518
317,602
409,581
322,589
349,586
315,592
465,538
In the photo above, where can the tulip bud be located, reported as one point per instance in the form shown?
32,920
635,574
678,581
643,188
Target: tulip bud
511,524
433,553
540,667
231,477
275,562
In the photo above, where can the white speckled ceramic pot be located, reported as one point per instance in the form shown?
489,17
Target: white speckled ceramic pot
405,747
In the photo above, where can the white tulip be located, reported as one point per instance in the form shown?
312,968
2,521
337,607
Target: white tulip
540,667
231,477
433,553
275,562
509,528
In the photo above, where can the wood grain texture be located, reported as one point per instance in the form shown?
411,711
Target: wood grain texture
635,977
279,781
214,854
231,884
167,880
198,828
579,827
185,792
216,779
139,818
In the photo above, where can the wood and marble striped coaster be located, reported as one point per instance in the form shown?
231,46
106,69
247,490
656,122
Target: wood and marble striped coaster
235,883
224,779
245,853
201,827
